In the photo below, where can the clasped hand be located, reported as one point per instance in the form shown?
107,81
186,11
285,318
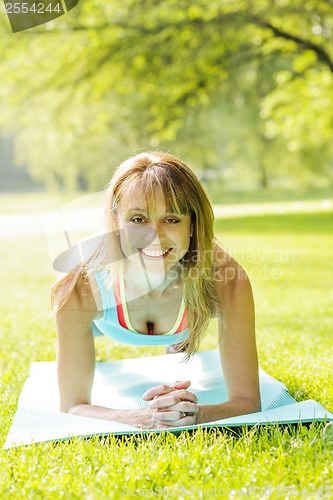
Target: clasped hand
173,405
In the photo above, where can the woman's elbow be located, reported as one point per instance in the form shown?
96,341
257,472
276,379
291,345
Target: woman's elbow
255,405
72,409
251,405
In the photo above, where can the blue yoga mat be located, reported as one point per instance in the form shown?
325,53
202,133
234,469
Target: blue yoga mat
120,384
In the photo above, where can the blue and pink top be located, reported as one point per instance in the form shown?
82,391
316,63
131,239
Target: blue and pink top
116,323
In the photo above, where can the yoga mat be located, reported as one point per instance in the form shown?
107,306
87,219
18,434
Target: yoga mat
120,384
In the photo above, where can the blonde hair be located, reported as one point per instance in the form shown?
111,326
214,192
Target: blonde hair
184,194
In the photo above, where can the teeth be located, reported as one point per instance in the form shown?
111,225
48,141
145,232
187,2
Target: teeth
154,253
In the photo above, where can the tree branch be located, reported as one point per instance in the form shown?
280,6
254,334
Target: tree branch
321,53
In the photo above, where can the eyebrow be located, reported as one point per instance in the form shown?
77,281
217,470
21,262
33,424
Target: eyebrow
138,209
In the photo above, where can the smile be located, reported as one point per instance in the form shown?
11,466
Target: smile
155,254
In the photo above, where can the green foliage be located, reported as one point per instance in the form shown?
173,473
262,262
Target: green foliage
301,114
233,83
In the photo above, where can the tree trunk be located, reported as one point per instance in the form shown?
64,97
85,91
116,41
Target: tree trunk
263,176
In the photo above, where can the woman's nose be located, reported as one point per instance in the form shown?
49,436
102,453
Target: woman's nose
153,235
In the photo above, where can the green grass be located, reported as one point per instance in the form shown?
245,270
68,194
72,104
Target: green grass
289,260
35,201
296,192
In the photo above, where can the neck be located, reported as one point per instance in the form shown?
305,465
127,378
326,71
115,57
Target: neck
153,284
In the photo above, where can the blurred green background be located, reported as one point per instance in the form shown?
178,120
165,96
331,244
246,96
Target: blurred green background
242,91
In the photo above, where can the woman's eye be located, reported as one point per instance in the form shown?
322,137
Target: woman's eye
137,219
172,220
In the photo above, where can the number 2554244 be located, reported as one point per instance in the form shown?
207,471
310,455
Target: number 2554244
35,8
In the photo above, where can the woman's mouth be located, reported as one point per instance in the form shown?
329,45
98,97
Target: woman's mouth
155,254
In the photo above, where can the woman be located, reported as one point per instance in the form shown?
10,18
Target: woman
157,278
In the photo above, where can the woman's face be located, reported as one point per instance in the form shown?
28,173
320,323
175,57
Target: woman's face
160,238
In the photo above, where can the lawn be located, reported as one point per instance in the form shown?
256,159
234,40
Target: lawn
289,260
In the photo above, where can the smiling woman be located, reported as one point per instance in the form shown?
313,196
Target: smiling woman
162,237
157,278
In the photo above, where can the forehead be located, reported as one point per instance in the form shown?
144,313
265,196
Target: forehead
137,198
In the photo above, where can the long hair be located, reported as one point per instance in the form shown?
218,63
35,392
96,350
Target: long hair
183,193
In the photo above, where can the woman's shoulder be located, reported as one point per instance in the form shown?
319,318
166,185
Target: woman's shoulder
79,292
229,275
223,261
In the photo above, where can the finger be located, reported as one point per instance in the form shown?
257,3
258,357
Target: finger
183,407
163,389
181,384
171,417
166,424
167,416
159,390
173,398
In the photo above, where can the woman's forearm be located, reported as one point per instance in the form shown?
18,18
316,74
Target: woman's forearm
130,417
142,418
210,413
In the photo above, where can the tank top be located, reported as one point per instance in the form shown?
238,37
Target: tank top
115,322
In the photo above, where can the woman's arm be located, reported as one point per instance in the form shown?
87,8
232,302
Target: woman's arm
76,361
238,355
238,352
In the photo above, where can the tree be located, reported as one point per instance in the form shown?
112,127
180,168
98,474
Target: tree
111,76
